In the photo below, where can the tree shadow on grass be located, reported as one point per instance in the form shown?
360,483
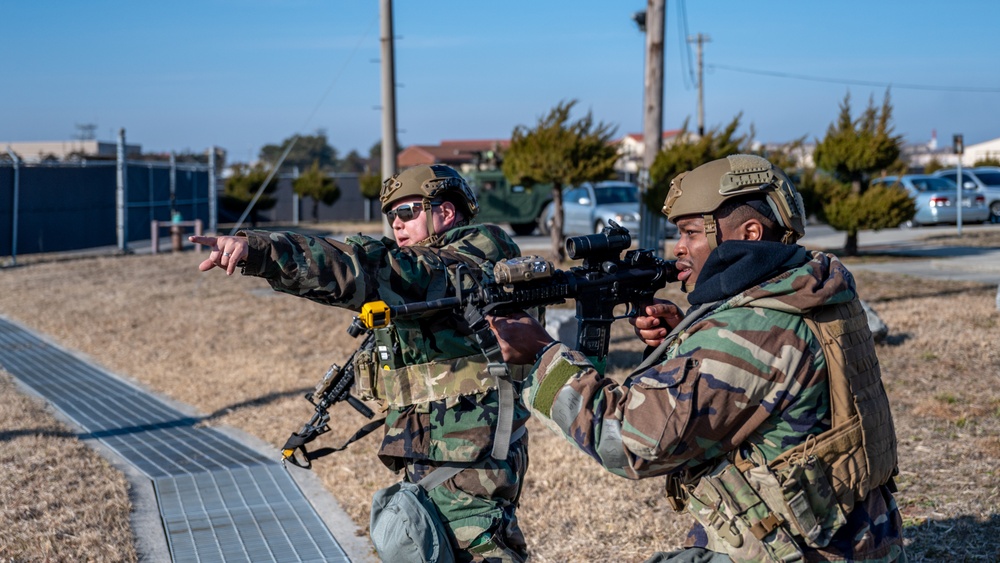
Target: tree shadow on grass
961,538
185,421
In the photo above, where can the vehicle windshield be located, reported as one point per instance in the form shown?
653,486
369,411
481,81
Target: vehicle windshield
933,184
990,178
616,194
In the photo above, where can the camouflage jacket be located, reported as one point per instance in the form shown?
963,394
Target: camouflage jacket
362,269
750,372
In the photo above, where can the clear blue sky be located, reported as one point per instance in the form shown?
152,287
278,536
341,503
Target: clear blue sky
238,74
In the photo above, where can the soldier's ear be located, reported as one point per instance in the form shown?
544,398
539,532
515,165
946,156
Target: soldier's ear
449,213
752,229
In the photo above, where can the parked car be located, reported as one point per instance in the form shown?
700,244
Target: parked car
587,208
935,197
984,178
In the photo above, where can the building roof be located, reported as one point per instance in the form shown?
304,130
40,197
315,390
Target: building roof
453,152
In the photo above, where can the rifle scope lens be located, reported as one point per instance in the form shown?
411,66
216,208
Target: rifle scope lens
587,245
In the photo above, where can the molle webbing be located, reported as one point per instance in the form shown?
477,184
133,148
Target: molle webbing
438,381
860,447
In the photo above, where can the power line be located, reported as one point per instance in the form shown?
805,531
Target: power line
687,70
894,85
295,137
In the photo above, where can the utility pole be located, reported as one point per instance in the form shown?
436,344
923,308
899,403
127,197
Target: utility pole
388,100
959,145
700,39
653,22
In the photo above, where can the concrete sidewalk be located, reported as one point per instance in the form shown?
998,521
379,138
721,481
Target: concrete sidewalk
919,256
199,493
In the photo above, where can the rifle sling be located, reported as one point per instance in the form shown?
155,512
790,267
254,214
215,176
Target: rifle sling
498,368
298,442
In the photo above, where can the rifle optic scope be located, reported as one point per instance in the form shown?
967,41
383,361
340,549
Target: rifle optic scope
610,241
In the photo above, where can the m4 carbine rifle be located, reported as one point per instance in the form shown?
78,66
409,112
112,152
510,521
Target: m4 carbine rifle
333,388
603,281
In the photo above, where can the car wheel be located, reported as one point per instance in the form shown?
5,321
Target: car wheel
995,209
523,229
598,226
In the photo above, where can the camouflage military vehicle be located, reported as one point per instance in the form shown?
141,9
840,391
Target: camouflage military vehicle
499,202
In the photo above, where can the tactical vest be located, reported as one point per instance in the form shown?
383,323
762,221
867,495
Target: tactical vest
382,377
760,510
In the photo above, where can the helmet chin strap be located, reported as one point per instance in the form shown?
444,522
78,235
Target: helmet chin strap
429,217
712,231
714,236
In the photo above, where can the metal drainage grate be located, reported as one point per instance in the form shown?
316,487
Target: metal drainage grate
219,501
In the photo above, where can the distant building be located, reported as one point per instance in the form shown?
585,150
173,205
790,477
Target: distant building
39,151
632,151
461,155
469,155
918,156
981,151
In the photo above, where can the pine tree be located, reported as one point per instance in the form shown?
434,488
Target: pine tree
562,153
689,152
853,152
243,185
306,150
318,186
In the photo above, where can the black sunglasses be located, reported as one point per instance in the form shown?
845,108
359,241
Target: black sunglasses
408,211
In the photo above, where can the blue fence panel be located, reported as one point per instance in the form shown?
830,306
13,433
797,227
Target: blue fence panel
73,207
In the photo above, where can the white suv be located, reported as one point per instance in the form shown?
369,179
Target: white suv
984,178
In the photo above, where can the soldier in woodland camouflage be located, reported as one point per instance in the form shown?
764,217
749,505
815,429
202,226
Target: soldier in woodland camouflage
763,404
428,372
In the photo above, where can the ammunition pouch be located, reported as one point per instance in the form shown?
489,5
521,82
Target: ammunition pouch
365,372
737,520
429,382
756,512
840,451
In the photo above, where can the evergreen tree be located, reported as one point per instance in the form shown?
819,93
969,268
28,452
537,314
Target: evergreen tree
242,186
354,162
934,165
371,187
306,150
990,160
318,186
562,153
853,151
689,152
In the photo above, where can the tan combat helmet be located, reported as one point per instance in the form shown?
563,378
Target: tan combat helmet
703,190
433,183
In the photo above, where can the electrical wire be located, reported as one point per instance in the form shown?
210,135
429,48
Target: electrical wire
296,136
687,67
893,85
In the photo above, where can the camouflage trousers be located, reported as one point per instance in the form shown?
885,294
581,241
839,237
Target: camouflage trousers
478,506
689,555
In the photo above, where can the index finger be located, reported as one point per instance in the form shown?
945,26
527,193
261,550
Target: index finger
662,309
202,240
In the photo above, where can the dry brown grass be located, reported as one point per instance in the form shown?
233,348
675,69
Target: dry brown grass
59,499
244,355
